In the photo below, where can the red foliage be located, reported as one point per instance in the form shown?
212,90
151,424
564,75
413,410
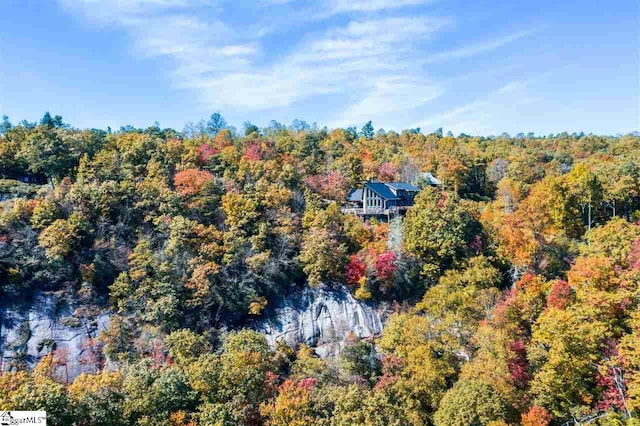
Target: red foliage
386,172
354,270
307,384
392,366
301,385
560,295
254,152
332,186
386,265
189,182
605,379
518,364
609,396
536,416
633,259
271,377
204,154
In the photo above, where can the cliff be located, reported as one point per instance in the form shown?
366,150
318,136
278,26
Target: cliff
322,318
29,329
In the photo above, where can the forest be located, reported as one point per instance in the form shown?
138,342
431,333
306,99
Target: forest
515,285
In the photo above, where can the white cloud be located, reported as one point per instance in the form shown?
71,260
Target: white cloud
373,5
474,117
119,11
221,65
238,50
369,39
374,62
479,48
389,97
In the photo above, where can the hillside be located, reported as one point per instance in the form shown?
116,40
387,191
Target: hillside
509,292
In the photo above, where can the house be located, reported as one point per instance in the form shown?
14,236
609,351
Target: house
381,199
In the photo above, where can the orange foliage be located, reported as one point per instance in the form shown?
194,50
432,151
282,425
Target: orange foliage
189,182
536,416
593,272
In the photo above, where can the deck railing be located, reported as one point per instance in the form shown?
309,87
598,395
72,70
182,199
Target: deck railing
359,211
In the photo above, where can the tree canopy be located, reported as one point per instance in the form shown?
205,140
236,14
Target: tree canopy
512,287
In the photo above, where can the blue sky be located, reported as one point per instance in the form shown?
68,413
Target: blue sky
474,66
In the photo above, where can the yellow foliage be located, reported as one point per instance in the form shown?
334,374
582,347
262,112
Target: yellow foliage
94,383
257,306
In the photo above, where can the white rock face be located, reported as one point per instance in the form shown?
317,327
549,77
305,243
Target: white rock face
28,331
322,318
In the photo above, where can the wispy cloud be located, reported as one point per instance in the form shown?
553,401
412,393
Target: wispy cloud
474,116
478,48
388,97
373,5
358,58
223,65
371,55
120,11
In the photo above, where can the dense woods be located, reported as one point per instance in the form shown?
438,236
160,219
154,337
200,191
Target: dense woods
515,284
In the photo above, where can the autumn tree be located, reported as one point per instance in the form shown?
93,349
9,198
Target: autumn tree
470,402
437,230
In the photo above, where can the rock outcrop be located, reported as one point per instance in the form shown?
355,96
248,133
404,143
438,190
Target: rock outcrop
322,318
31,329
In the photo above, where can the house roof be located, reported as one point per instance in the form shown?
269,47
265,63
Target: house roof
382,190
403,185
355,195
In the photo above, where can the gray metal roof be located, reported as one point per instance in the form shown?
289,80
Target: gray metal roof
403,185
